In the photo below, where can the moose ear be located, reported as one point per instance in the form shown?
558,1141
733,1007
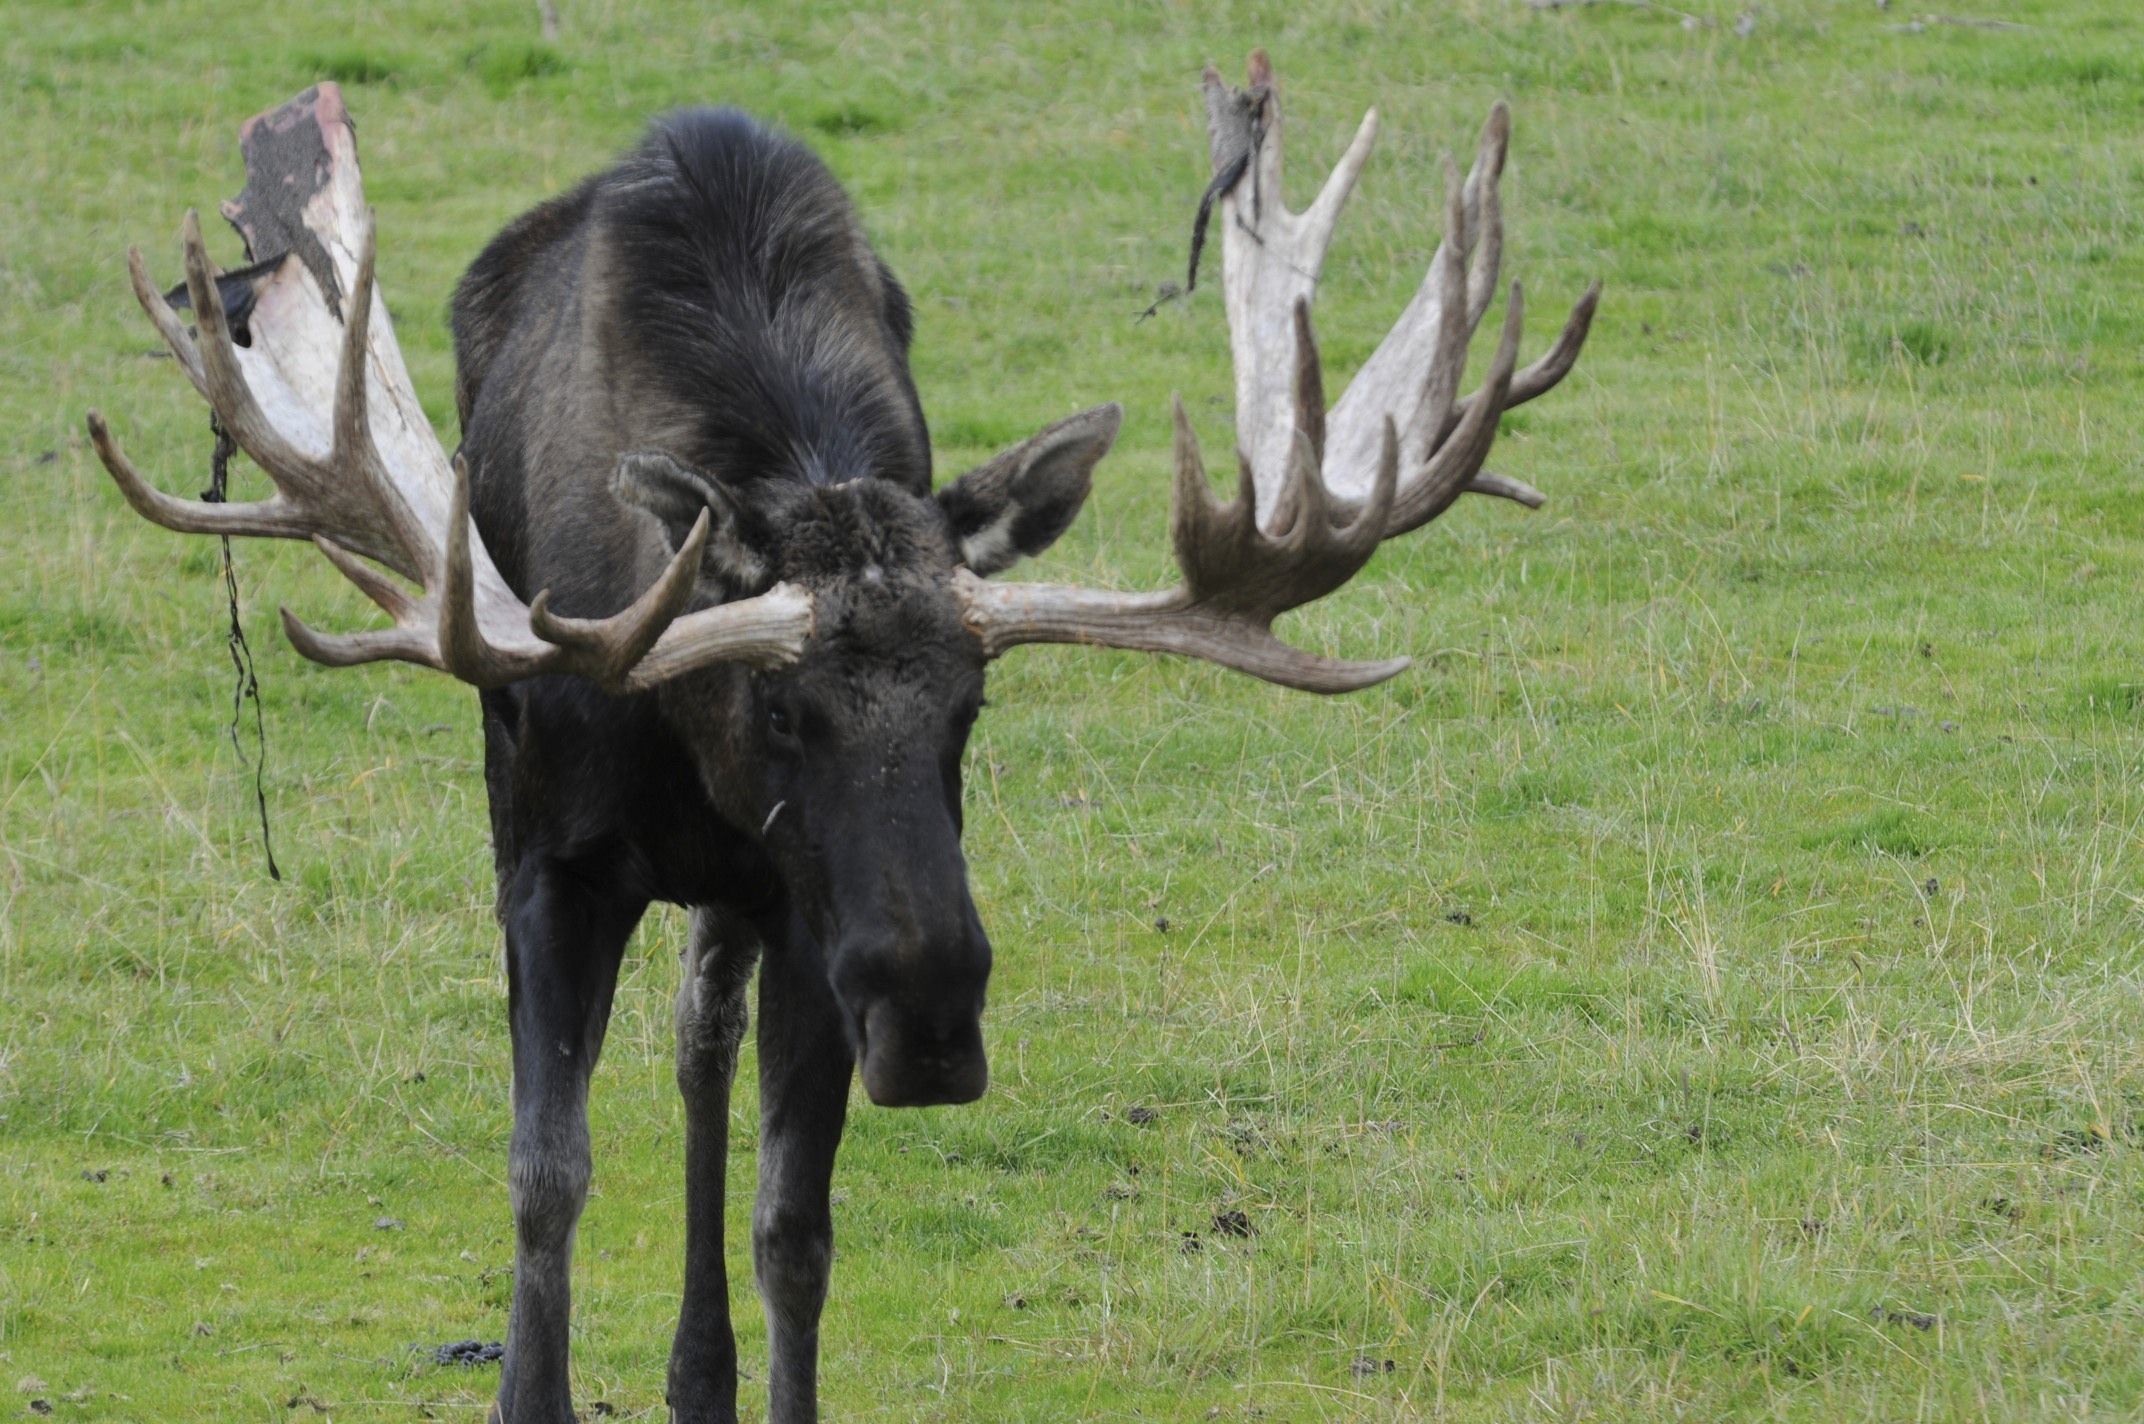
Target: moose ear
675,494
1017,504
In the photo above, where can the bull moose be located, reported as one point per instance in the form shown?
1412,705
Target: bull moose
729,643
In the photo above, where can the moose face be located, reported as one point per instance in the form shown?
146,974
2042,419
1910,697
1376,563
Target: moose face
858,750
861,772
849,760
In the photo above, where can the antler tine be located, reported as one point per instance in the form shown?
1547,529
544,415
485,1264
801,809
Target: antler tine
1192,507
166,321
1367,530
392,598
1303,497
462,649
1258,78
392,531
274,518
1314,225
1504,487
1455,323
611,646
398,644
1460,458
1484,239
1323,215
1554,364
354,447
227,390
1309,385
400,538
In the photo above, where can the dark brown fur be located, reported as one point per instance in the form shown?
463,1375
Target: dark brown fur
704,326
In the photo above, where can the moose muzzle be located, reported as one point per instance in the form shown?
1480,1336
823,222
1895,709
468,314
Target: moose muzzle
915,1054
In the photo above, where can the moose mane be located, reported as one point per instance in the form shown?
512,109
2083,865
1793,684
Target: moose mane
733,280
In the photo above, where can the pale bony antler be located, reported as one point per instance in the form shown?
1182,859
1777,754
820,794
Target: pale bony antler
1318,491
321,400
1272,259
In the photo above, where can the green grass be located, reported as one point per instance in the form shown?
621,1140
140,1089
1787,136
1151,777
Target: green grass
1707,987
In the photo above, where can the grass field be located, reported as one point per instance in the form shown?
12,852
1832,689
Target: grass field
1709,986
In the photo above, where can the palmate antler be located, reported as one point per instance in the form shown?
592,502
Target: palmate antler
1319,490
321,400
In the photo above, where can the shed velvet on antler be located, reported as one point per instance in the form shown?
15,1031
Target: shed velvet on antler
323,403
1320,488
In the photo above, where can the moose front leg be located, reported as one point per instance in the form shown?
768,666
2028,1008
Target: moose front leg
804,1069
719,956
564,938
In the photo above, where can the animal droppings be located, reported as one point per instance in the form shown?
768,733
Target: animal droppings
1919,1320
469,1352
